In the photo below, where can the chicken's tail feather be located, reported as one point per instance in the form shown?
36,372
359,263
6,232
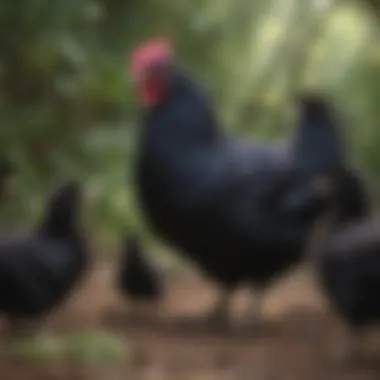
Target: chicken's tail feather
62,211
318,145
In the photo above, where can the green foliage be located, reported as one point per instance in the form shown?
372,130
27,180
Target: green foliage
96,347
88,348
67,110
36,349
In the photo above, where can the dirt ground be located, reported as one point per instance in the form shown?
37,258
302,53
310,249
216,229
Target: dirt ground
298,340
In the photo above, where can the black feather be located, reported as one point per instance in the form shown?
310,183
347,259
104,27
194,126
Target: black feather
349,272
241,212
38,271
318,145
137,278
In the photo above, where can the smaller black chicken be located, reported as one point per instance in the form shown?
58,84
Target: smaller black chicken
349,272
38,270
138,279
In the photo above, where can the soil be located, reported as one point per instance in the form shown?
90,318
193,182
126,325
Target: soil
298,339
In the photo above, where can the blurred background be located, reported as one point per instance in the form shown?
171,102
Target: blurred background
67,108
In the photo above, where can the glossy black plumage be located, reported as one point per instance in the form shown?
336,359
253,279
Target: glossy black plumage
37,271
207,194
349,272
138,279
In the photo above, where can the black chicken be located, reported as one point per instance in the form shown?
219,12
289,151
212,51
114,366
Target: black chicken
241,212
348,268
38,271
138,279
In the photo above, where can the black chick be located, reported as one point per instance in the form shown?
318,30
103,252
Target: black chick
138,279
38,271
349,273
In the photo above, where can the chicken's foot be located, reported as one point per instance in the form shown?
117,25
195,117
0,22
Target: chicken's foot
349,352
253,318
217,319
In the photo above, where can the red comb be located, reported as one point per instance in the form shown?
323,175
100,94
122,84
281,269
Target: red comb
153,51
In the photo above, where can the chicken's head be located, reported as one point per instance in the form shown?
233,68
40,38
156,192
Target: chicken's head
148,69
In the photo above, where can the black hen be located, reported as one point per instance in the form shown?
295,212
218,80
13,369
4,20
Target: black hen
241,212
138,279
349,272
38,271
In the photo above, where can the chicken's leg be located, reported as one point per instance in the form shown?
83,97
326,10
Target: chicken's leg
252,319
145,311
349,352
218,318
